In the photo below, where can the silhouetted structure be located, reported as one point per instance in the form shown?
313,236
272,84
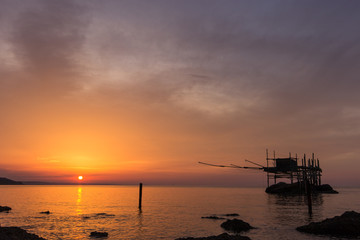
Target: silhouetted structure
308,170
289,168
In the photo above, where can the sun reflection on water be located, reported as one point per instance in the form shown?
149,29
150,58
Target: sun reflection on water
78,201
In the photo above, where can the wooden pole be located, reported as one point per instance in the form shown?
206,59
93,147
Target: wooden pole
140,195
309,170
308,192
304,173
267,167
275,166
318,163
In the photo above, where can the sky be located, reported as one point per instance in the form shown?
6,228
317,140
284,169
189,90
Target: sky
140,91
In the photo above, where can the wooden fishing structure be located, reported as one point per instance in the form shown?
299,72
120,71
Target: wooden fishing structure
300,170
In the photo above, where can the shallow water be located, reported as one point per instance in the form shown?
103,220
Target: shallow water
167,213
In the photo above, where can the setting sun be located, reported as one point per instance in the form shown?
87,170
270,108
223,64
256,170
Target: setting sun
80,178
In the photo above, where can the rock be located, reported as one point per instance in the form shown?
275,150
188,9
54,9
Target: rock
45,212
236,225
104,215
97,216
226,215
5,209
282,187
231,215
346,225
98,234
325,188
214,217
15,233
223,236
297,188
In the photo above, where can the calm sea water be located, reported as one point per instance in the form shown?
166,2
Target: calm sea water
168,212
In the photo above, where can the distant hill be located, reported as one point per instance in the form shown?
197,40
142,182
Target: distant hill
6,181
38,183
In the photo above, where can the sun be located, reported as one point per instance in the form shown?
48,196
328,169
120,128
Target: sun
80,178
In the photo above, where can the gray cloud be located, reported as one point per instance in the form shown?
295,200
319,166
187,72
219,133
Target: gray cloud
45,40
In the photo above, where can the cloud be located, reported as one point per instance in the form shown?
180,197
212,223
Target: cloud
45,40
178,79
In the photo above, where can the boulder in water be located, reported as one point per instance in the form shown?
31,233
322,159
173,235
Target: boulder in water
214,217
297,188
325,188
5,209
223,236
236,225
346,225
231,214
99,234
45,212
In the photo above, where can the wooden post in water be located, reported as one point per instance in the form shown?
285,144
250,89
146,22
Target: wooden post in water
318,163
309,201
140,195
267,167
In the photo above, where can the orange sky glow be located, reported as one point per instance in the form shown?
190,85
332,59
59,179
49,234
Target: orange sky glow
127,92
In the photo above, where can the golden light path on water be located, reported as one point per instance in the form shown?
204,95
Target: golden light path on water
78,200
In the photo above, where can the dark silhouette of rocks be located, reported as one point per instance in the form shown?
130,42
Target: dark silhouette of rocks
97,216
6,181
236,225
232,215
325,188
104,215
5,209
297,188
99,234
45,212
346,225
15,233
214,217
223,236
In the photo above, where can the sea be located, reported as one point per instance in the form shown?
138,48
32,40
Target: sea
167,212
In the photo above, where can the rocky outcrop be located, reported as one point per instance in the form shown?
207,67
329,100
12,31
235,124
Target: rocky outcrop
97,216
325,188
5,209
346,225
15,233
214,217
231,215
297,188
6,181
45,212
223,236
99,234
236,225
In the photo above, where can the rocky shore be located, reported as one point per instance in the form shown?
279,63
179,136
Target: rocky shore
16,233
346,225
298,188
